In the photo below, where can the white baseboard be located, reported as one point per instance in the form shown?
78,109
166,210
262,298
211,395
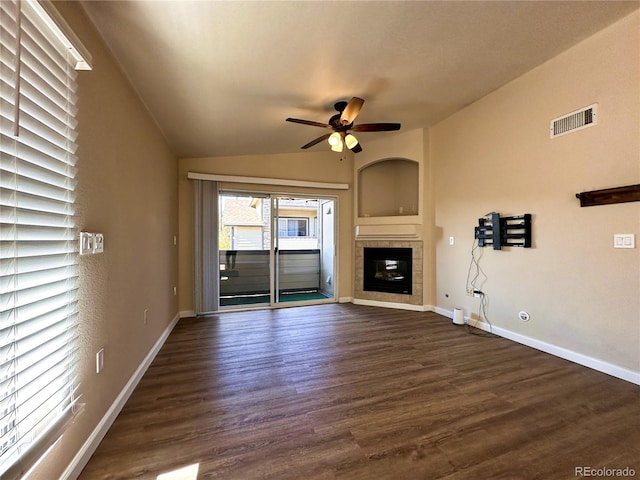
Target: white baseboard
91,444
345,300
445,313
579,358
399,306
187,313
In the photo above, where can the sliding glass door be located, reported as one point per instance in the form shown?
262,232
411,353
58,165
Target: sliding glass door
244,249
303,251
275,249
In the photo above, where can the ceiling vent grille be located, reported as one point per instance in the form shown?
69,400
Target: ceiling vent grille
578,120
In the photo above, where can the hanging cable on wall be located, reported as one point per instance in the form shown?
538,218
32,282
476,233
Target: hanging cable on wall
476,278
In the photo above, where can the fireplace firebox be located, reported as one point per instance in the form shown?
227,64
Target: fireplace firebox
388,270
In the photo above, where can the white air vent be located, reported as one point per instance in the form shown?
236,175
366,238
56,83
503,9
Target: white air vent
578,120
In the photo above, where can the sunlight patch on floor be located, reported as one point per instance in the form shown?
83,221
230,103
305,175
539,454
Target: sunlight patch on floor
185,473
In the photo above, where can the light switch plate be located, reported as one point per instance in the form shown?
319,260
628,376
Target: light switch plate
86,243
624,240
98,243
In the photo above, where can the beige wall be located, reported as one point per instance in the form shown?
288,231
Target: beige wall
324,167
496,155
127,189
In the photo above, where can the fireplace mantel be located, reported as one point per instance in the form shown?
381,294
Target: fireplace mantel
386,231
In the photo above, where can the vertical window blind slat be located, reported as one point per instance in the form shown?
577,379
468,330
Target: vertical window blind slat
38,257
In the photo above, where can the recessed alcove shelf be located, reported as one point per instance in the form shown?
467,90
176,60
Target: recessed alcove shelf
389,188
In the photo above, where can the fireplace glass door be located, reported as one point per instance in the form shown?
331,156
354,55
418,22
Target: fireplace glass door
388,270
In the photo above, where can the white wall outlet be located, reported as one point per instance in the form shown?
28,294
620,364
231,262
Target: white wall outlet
145,315
86,243
100,360
624,240
175,291
98,243
452,240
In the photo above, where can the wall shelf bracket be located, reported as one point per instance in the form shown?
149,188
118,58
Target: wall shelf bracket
607,196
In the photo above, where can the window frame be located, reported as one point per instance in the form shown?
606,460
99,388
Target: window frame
287,228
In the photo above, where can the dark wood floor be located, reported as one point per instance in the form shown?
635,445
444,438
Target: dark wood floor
353,392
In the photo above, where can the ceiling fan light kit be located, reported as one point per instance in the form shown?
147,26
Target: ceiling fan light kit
341,123
334,139
350,141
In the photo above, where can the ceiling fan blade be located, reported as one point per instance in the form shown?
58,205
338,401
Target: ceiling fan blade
357,148
351,111
376,127
316,141
308,122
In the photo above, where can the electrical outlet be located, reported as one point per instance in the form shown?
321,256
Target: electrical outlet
624,240
146,315
175,291
524,316
100,360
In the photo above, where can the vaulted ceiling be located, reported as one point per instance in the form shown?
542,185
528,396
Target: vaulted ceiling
220,77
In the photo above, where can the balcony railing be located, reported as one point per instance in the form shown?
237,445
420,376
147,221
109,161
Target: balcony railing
246,272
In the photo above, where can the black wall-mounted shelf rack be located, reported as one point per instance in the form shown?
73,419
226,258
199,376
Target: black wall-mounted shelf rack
497,232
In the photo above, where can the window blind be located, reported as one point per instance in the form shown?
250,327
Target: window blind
38,278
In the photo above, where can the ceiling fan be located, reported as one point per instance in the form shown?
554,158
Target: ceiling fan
341,123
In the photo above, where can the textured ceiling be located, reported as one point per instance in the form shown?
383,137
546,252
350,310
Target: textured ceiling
220,77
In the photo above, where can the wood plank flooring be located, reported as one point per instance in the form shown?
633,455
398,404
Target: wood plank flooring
341,391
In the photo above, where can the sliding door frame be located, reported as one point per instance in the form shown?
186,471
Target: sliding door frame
273,196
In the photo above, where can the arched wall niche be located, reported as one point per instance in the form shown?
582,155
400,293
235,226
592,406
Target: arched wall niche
388,187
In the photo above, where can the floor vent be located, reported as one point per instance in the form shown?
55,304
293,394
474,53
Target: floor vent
583,118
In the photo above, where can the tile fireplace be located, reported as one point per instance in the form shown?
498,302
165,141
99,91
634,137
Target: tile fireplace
389,271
